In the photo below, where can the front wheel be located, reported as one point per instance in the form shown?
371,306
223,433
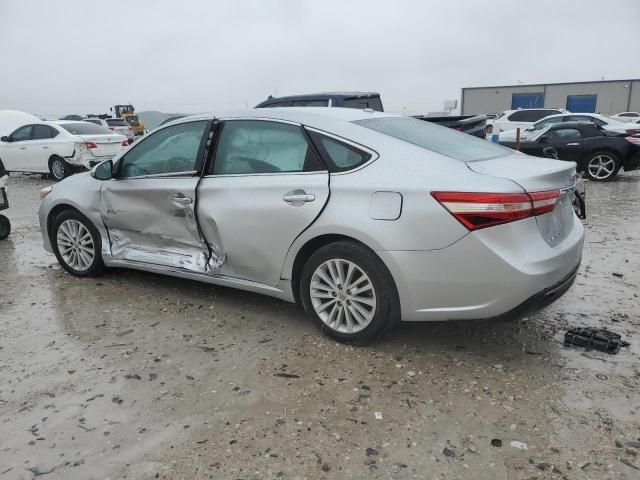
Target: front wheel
76,244
59,169
349,293
602,166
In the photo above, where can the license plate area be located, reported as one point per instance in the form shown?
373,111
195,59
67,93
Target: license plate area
556,225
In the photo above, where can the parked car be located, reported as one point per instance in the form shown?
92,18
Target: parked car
522,118
72,116
598,153
59,148
607,123
330,99
117,125
627,117
475,125
364,218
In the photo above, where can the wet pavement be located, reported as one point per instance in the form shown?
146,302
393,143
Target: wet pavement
139,376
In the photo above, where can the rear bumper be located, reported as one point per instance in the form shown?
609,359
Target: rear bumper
492,273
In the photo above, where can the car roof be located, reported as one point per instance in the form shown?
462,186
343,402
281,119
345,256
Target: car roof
325,94
304,115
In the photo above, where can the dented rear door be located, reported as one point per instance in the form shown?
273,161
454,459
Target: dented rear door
265,186
149,208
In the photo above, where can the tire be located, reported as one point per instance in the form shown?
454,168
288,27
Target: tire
82,256
602,166
59,169
352,317
5,227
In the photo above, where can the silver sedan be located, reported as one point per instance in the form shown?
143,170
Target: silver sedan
365,218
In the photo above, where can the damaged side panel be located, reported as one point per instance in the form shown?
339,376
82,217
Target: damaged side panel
152,220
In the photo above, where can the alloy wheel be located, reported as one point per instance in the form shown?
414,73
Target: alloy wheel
58,170
343,296
602,166
75,245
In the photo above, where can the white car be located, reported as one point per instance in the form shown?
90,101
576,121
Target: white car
607,123
524,117
627,117
59,148
116,125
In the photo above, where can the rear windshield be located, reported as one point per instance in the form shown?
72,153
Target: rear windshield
85,128
116,122
443,140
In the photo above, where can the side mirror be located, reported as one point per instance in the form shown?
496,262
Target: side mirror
550,152
5,139
103,171
543,139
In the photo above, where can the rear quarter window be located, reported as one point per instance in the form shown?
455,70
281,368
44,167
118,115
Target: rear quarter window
337,155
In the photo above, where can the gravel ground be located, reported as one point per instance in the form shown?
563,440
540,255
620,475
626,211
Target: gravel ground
139,376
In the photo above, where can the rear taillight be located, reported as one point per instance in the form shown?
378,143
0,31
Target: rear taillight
112,129
90,145
634,140
632,131
482,210
125,143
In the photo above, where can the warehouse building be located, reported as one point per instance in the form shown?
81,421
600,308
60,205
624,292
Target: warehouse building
604,96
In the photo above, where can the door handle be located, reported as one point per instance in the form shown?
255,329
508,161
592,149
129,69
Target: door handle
572,144
23,148
182,200
45,147
298,197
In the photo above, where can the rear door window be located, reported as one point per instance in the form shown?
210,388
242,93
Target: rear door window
338,155
43,132
259,146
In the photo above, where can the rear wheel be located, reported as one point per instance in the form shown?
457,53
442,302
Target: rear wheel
58,168
602,166
349,293
5,227
76,244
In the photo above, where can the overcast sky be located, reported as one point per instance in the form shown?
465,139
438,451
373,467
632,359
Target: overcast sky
79,56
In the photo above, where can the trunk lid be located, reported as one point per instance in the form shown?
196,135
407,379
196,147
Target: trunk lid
107,145
535,174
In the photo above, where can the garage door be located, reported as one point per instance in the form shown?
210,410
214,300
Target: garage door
581,103
527,100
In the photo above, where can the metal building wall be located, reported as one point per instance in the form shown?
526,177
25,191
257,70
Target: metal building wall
613,96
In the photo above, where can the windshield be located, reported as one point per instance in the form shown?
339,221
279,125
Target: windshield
85,128
456,145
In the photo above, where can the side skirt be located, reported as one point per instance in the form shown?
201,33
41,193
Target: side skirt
283,291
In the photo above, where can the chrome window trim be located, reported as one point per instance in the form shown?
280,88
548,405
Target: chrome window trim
270,174
191,173
262,119
374,155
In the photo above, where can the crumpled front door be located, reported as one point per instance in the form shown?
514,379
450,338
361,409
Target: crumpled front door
152,221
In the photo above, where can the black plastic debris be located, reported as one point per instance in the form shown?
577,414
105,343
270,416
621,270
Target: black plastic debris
595,338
